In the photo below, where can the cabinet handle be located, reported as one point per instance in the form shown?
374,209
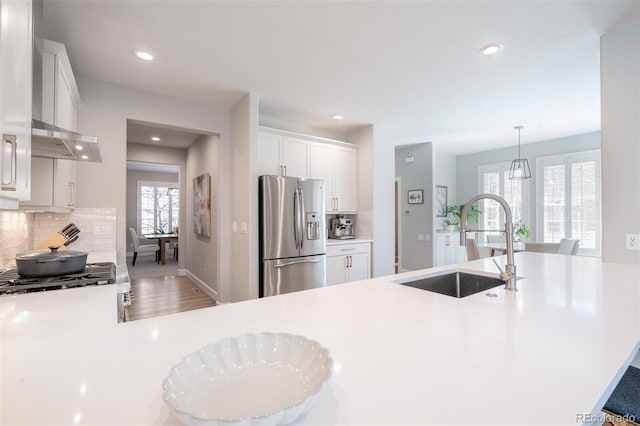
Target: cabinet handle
350,261
285,170
447,241
72,194
11,184
337,203
346,262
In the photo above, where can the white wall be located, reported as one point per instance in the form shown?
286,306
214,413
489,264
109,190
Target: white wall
416,253
104,113
445,175
383,183
364,139
467,165
620,71
245,262
201,257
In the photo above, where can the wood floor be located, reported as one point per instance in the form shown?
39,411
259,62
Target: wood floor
155,296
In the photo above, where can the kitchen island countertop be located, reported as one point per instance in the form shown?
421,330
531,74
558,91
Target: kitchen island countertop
544,355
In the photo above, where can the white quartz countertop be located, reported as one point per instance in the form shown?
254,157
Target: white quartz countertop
333,242
543,355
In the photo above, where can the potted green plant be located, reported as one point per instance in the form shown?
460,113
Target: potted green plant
521,231
455,211
450,225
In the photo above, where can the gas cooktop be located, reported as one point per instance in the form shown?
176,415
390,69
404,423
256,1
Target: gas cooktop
93,274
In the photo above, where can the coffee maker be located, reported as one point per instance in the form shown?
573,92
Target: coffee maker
342,228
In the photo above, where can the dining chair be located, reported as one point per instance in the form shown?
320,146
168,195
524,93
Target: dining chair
493,238
142,248
568,246
473,251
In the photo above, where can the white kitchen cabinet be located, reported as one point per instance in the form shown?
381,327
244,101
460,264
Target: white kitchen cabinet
60,96
15,101
54,180
282,155
338,167
348,262
57,194
447,247
64,178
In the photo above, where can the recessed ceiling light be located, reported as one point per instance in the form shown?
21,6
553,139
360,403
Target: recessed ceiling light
84,157
155,139
79,147
490,49
144,55
336,117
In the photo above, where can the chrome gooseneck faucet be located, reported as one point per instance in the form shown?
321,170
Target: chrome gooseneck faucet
509,274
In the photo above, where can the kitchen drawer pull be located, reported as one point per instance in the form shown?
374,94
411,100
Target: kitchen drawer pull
11,184
72,194
282,265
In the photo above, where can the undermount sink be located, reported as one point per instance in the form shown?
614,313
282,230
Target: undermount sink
456,284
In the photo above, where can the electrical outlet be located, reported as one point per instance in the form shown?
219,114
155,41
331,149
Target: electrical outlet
632,242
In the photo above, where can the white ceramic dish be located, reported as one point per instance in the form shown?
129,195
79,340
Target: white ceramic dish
253,379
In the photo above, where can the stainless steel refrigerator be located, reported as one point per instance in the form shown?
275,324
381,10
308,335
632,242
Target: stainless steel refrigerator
292,234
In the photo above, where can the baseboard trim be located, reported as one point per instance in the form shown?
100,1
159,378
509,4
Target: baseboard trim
201,284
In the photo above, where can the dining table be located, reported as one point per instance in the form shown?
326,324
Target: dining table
163,239
502,247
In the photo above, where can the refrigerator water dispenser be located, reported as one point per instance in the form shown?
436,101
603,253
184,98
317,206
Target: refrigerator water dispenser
313,226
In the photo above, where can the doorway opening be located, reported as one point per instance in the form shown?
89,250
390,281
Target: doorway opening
156,221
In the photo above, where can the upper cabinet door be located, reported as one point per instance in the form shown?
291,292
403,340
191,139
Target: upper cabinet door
269,154
15,98
66,110
345,179
321,167
294,156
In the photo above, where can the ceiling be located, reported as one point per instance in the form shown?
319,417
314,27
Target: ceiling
410,68
141,132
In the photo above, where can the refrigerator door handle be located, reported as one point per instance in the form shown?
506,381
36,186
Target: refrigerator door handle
302,217
296,217
282,265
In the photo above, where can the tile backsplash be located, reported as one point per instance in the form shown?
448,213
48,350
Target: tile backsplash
20,231
97,228
16,235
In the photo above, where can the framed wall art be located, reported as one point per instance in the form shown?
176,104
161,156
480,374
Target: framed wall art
415,196
441,201
202,205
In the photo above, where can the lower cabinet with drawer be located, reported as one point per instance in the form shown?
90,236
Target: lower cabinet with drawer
348,262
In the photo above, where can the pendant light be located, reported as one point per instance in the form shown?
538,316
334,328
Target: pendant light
520,166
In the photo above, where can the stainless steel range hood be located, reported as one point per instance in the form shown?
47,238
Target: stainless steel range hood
50,141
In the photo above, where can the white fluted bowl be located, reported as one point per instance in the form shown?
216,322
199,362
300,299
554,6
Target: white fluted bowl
253,379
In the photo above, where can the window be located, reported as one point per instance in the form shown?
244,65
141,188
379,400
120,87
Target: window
569,190
158,207
494,179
